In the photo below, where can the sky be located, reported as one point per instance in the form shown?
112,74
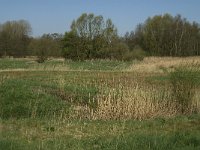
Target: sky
55,16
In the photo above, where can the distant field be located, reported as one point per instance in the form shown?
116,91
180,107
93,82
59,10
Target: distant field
149,64
98,104
62,65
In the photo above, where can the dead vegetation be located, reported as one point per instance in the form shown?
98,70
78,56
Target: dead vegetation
161,64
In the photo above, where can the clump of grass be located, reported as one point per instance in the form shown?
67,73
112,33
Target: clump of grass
185,82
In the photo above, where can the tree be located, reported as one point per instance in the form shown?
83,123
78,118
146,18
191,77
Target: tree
40,48
14,38
55,40
90,35
72,47
45,46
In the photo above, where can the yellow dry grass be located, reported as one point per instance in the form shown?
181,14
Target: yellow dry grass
160,64
139,101
132,98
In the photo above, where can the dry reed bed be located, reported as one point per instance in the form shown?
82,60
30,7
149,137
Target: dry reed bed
160,64
139,100
128,95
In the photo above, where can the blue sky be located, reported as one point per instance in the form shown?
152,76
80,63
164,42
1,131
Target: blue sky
49,16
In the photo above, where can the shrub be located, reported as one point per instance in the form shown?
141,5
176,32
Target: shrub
119,50
137,53
40,47
41,58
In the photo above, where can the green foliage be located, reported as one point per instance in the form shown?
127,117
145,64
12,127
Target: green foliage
93,37
165,35
45,46
117,51
54,44
14,38
185,81
137,53
72,48
40,48
90,37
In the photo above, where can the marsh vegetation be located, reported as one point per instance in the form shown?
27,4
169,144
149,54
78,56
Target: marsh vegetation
100,104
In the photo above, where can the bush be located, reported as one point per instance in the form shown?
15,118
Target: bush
119,50
137,53
185,80
41,58
40,47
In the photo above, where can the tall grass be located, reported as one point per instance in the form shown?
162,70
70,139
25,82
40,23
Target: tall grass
136,102
99,110
185,82
135,98
99,95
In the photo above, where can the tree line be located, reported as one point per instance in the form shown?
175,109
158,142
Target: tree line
93,37
16,41
165,35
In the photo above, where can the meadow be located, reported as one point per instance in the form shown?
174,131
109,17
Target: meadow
100,104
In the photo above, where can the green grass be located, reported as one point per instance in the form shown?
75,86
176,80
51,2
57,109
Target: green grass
103,65
13,64
42,93
106,65
29,64
176,133
22,93
24,98
35,109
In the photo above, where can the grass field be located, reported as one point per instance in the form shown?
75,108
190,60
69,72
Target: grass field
100,104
